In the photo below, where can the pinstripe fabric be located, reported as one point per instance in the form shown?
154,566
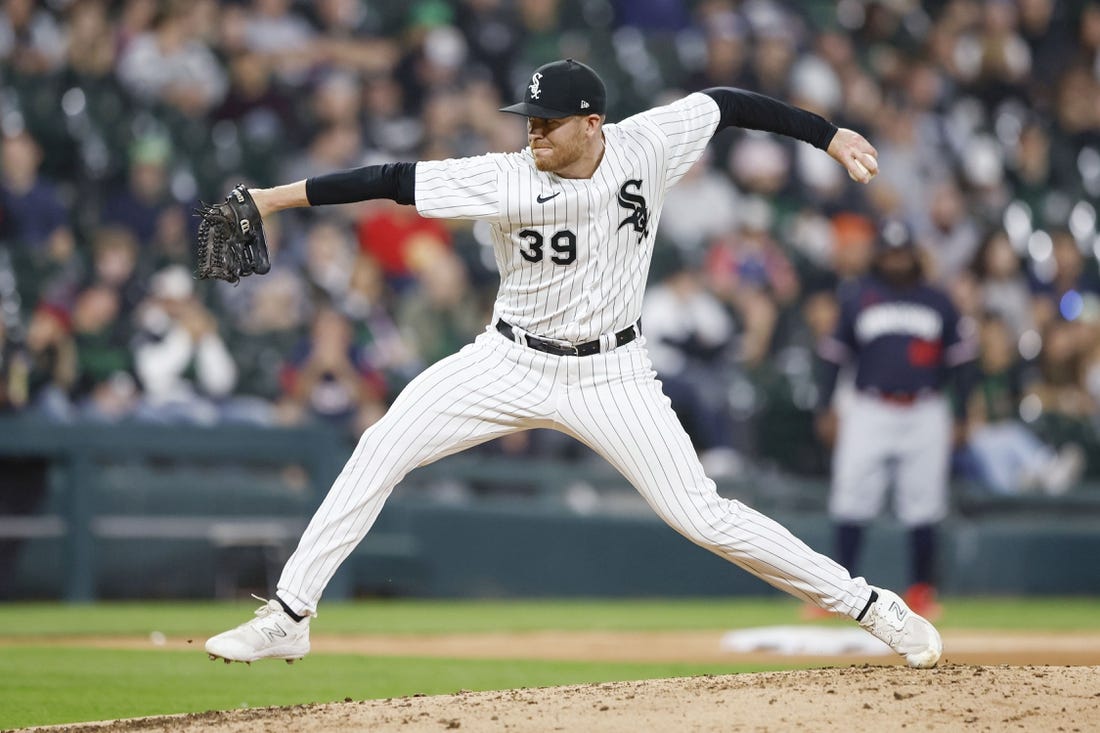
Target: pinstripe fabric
611,402
490,388
573,257
615,405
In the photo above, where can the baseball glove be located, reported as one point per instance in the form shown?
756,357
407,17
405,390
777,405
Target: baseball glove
231,239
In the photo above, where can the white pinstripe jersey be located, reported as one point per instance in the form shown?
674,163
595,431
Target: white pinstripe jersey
573,254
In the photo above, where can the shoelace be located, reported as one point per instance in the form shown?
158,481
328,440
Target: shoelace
264,610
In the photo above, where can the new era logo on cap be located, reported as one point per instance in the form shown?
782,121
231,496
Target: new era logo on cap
562,89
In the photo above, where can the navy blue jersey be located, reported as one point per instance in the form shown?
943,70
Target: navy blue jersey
901,340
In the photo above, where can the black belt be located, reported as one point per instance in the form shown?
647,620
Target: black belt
588,348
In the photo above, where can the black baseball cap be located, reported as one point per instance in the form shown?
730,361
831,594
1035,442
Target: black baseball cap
562,89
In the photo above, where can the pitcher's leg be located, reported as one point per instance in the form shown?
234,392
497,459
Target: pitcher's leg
628,420
480,393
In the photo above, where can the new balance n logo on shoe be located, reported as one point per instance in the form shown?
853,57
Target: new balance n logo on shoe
897,611
274,632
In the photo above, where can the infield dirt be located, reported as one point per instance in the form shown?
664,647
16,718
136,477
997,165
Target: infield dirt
880,698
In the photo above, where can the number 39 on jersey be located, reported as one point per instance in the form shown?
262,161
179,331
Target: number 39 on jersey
562,246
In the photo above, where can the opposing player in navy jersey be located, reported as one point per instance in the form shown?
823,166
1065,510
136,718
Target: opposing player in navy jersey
905,340
573,218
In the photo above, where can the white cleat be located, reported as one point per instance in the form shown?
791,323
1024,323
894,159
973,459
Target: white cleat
271,635
910,635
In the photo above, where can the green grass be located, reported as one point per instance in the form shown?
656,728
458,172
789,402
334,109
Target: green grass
64,685
56,684
400,617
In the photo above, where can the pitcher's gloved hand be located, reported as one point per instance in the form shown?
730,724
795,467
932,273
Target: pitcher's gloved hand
231,239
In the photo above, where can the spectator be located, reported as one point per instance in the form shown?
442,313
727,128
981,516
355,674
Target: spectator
388,127
335,146
1071,281
92,40
368,304
135,18
950,235
271,321
391,234
1059,389
1046,27
853,246
177,338
40,219
115,260
701,207
104,389
995,59
1033,172
31,43
691,338
1010,458
1003,285
440,317
349,37
171,65
329,259
51,354
263,116
726,55
140,205
751,273
283,36
327,378
773,53
14,369
335,99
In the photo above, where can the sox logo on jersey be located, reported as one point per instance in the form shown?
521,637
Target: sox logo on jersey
639,216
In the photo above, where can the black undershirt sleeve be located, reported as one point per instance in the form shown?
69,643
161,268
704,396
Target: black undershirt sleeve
395,181
753,111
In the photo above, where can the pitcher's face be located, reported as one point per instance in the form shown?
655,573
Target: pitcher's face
556,143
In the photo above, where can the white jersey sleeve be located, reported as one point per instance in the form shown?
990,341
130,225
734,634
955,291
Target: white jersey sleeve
686,126
460,188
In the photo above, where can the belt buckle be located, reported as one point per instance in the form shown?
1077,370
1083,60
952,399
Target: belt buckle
564,347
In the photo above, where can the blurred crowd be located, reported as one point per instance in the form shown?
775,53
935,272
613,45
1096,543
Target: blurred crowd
117,117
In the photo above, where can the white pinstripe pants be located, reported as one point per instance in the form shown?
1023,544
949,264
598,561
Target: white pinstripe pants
613,403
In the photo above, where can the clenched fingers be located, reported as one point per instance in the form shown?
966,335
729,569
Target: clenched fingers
858,156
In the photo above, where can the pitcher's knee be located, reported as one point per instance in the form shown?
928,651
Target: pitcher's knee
714,529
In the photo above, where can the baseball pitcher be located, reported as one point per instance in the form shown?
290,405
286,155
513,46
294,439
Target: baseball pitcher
573,218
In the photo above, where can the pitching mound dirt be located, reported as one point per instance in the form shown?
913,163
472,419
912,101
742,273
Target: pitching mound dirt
890,698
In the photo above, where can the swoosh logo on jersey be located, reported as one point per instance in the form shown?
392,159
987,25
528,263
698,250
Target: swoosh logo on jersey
543,199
